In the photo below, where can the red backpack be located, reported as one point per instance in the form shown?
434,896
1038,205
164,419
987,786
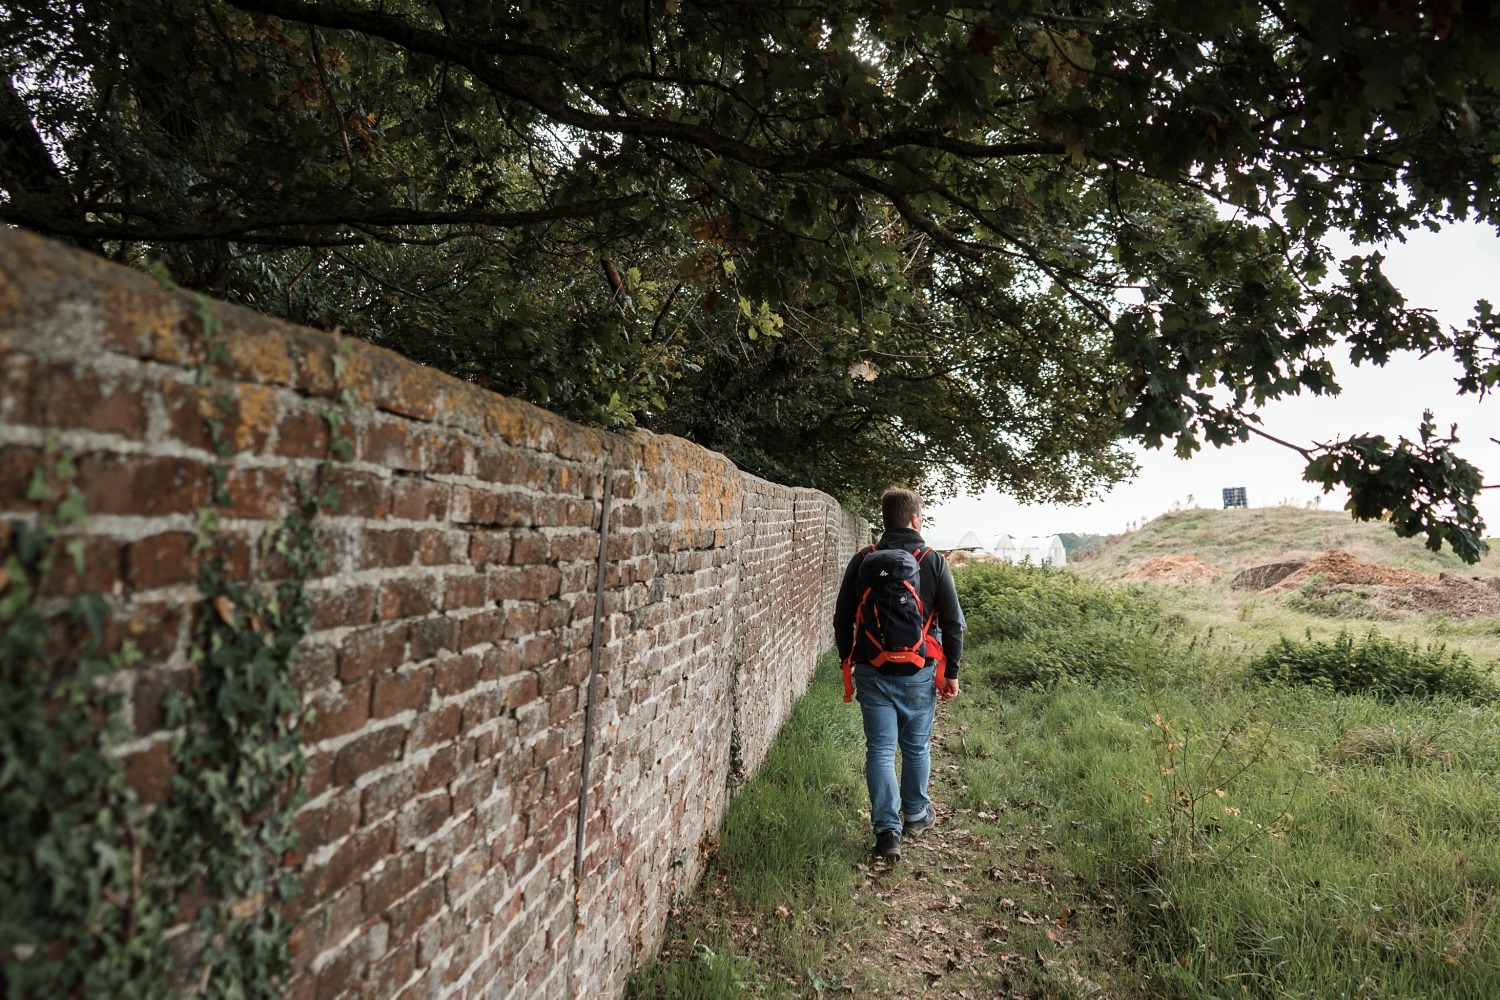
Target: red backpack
890,624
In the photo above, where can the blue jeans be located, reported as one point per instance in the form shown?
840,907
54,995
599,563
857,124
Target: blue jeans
896,711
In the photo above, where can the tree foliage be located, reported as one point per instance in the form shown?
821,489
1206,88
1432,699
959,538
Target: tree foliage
848,244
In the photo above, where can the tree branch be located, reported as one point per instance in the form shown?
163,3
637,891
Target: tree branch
478,57
250,230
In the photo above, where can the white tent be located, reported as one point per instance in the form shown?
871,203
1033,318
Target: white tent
969,541
1039,550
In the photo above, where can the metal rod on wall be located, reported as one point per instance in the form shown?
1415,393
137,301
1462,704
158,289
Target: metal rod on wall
595,651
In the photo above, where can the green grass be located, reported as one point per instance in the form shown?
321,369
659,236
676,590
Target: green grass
1264,840
786,861
1184,831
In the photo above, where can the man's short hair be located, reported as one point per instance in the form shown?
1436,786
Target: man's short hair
898,507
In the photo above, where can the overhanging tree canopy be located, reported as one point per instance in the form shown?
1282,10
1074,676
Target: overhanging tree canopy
847,243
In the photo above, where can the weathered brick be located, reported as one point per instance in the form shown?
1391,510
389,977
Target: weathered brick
475,630
421,905
149,694
443,767
17,464
377,649
244,415
395,969
529,547
68,397
437,726
465,591
340,710
400,691
344,972
470,506
485,779
423,817
409,597
345,606
443,548
439,852
415,498
302,433
358,853
161,561
386,887
361,494
149,771
141,485
400,387
326,823
537,650
524,583
424,987
431,636
489,547
386,549
99,573
385,796
574,547
369,752
515,510
386,443
317,772
455,674
263,494
316,666
444,454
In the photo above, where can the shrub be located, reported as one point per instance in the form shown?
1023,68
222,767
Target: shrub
1376,666
1034,626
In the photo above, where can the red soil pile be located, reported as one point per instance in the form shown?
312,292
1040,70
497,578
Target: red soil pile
1176,569
958,557
1338,567
1396,592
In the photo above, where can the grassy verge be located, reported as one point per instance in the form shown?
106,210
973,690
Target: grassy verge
782,885
1124,813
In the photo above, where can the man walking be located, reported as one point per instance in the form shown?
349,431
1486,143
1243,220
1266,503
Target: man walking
898,697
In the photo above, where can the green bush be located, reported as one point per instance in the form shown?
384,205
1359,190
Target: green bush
1376,666
1034,626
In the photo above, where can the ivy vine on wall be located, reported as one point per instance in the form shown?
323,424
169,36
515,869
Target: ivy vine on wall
95,881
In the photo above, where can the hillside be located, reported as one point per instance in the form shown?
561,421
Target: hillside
1237,539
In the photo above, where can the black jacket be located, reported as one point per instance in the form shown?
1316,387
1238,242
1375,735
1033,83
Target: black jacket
935,588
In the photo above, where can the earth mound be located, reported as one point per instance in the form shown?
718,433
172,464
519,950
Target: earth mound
1176,569
1395,592
958,557
1261,577
1338,567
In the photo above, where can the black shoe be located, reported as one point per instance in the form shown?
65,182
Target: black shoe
917,827
887,846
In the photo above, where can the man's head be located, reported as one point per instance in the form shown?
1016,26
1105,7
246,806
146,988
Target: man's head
898,507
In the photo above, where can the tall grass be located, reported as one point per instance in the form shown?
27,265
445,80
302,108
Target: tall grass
1260,841
1214,835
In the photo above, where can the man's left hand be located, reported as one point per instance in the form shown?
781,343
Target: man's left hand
948,690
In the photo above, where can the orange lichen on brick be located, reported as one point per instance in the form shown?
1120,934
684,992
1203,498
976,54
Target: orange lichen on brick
357,377
410,390
10,309
260,354
145,321
258,413
315,352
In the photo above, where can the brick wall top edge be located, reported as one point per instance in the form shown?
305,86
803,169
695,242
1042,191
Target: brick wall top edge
64,303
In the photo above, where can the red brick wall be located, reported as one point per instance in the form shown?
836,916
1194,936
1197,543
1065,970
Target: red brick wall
454,629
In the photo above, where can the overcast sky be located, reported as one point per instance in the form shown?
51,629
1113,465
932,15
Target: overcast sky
1445,272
